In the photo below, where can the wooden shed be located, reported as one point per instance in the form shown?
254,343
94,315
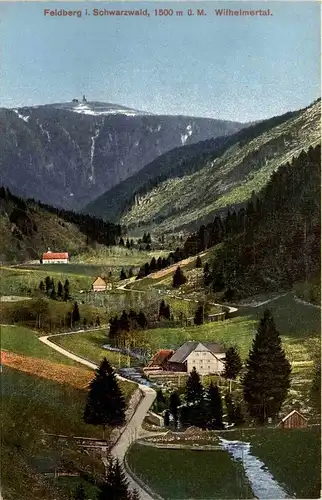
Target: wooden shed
100,285
294,420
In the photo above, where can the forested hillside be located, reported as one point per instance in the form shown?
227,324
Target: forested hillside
27,228
275,243
188,186
270,244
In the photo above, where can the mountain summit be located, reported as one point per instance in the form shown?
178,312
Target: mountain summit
68,154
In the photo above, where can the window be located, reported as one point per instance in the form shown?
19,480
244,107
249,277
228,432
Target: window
205,354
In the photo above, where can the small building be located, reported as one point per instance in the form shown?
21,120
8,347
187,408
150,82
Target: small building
55,258
294,420
160,360
100,285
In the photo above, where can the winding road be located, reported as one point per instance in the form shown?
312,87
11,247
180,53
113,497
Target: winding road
134,425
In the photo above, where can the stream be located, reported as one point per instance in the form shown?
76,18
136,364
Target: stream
263,484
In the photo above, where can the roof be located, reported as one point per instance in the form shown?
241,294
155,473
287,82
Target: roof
292,413
54,256
99,281
183,352
161,356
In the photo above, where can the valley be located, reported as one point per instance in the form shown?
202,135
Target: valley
184,268
39,371
173,193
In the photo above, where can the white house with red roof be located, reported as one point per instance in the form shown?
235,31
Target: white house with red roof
55,258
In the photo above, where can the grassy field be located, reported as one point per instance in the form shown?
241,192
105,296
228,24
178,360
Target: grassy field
25,281
189,474
90,346
291,455
32,406
40,396
117,257
22,340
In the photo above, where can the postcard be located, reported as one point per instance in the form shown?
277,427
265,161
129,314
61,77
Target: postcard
160,250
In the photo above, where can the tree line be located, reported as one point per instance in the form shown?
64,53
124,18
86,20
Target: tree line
48,287
96,230
273,241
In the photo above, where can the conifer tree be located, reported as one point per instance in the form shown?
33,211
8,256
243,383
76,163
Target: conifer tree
48,284
214,407
66,291
121,242
105,402
41,287
124,322
230,406
239,417
233,364
123,274
128,245
173,406
116,484
153,265
194,389
198,262
160,401
79,493
130,272
199,316
75,313
166,419
60,290
178,278
53,294
164,310
141,319
267,380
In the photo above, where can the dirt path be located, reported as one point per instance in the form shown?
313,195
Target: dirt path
13,298
133,427
301,301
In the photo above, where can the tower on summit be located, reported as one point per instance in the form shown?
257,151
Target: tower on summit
84,98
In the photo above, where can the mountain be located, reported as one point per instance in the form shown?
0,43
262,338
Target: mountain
187,186
28,228
276,241
67,154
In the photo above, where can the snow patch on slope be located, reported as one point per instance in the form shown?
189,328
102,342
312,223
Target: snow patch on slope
184,137
24,118
93,140
86,109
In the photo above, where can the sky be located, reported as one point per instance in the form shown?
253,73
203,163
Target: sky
227,67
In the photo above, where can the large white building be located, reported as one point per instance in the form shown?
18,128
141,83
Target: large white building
55,258
206,357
